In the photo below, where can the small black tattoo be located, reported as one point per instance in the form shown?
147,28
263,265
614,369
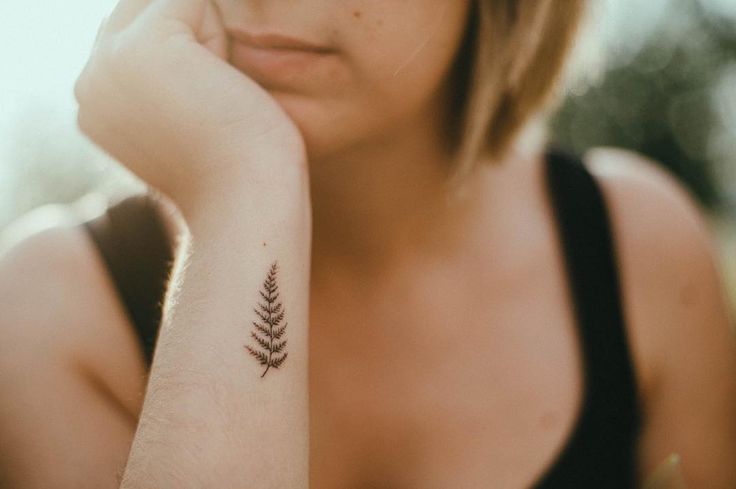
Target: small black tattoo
271,313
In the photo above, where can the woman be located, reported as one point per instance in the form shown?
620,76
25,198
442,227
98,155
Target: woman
381,279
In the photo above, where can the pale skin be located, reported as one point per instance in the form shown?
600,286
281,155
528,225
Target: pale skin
342,185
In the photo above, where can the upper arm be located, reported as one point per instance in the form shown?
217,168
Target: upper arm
680,326
70,380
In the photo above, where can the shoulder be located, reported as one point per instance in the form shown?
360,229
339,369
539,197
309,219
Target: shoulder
633,180
667,253
677,311
663,233
59,303
43,256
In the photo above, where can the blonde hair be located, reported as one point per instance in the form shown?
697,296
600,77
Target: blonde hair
509,67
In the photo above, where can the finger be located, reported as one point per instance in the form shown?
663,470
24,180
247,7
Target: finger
199,19
124,13
100,29
188,15
212,32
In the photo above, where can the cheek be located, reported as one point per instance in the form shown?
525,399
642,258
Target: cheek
395,56
400,53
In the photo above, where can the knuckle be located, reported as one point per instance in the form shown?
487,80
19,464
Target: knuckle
81,87
124,47
101,30
123,58
87,122
88,79
117,48
83,121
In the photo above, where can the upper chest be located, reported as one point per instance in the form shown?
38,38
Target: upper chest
459,376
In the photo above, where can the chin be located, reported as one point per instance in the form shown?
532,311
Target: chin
321,146
324,133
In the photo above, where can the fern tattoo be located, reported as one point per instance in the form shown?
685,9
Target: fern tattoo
270,313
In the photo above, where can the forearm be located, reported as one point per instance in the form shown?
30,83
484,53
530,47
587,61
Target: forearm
222,408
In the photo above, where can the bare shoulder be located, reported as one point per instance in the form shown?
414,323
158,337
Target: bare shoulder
60,305
680,324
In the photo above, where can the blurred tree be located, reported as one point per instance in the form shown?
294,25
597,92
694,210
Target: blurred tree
661,103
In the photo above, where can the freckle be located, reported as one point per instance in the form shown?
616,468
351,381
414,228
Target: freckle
357,14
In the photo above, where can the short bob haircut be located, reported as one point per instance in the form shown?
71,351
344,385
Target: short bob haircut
509,67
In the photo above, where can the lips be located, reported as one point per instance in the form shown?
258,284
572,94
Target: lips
276,60
276,41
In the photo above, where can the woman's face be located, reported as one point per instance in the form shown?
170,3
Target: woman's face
382,64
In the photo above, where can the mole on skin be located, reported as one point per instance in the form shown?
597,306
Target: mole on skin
357,14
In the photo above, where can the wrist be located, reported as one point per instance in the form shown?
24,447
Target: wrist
259,213
253,193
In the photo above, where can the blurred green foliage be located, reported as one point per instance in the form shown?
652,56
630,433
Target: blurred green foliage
665,102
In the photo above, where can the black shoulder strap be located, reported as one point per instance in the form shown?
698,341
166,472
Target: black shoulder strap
133,242
601,452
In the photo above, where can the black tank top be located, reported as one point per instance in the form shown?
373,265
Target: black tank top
601,450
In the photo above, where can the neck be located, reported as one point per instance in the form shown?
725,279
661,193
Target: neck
373,203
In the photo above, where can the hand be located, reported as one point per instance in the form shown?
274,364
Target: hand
158,95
